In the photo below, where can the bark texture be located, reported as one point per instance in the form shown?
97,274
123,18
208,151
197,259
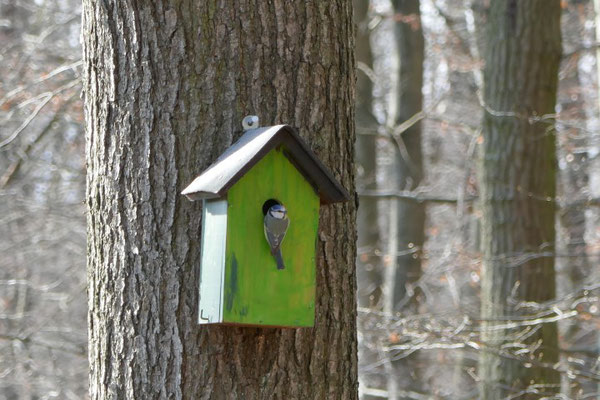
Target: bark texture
518,186
167,84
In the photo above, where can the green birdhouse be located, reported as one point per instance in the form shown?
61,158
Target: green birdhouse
261,202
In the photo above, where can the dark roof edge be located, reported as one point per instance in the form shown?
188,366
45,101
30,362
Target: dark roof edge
300,155
330,190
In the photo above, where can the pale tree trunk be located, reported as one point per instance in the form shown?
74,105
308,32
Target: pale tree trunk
368,261
474,11
574,184
595,180
594,115
597,24
407,217
518,187
167,84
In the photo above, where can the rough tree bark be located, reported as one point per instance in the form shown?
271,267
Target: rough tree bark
167,83
518,186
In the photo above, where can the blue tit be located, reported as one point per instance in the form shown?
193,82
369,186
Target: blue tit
276,224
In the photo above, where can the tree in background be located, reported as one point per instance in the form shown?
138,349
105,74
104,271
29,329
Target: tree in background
166,87
368,260
43,332
407,216
574,269
368,264
389,283
518,188
407,103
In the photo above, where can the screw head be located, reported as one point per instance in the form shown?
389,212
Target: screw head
250,122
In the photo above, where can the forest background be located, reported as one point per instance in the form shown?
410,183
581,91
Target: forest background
420,128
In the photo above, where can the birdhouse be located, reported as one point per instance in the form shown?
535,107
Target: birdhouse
260,218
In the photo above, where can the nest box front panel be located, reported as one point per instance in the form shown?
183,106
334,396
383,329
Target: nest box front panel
255,292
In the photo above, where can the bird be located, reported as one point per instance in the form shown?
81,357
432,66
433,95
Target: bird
276,224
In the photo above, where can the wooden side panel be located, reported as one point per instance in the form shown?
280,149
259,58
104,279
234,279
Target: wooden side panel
256,292
214,235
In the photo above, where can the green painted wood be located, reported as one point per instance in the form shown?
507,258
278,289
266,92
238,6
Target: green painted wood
212,268
255,291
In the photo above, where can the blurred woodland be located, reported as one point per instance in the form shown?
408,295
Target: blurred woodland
43,310
458,298
461,294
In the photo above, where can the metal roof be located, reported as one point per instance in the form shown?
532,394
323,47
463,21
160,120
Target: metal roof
254,144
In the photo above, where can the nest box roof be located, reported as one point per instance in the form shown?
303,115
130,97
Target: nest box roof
254,144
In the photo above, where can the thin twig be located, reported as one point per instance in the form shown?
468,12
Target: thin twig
47,97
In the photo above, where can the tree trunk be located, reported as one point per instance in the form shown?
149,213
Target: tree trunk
408,233
573,187
167,84
368,264
518,186
595,164
409,101
368,261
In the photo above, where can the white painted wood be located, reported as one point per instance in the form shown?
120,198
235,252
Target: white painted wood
212,268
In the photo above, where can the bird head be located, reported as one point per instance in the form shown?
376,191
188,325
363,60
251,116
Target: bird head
277,211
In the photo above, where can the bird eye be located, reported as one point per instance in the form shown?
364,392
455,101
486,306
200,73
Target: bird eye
268,204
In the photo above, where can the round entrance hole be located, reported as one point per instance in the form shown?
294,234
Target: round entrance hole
268,204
